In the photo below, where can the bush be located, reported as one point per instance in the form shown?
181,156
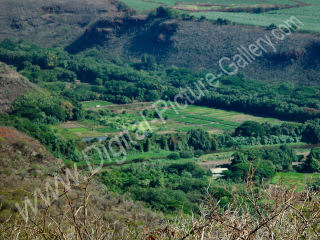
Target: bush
201,140
250,129
311,133
186,154
258,10
21,144
162,12
312,163
222,21
262,170
173,156
271,26
198,153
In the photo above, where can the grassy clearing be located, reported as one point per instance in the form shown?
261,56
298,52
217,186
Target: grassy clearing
235,2
215,120
140,5
191,120
106,130
75,130
294,179
95,104
219,126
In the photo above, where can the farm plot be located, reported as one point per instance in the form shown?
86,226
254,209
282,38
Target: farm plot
115,117
307,14
201,5
214,118
249,12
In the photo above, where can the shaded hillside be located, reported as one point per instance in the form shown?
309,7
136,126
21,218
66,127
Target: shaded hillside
201,44
50,22
12,85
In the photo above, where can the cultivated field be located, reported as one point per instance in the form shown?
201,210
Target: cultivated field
114,117
249,12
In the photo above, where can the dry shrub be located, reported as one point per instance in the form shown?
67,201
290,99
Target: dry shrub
271,212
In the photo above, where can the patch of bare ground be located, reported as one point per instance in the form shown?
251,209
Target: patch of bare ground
213,164
240,118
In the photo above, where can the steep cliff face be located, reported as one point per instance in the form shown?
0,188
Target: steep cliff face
12,85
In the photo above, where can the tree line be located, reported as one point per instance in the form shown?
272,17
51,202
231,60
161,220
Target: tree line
145,80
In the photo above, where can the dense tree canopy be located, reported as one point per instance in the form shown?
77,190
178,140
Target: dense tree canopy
311,134
250,129
124,82
312,163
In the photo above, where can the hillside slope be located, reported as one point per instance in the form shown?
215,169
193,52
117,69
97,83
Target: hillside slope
12,85
50,22
25,166
80,25
200,45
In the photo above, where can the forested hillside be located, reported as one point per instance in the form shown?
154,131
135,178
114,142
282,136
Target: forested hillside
171,38
124,82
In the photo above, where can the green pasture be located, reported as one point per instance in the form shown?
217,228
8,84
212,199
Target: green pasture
95,104
308,14
294,179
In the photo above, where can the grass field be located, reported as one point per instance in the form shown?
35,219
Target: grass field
95,104
294,179
307,12
138,157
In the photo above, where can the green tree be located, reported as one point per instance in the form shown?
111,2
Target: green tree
201,140
312,163
311,133
250,129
